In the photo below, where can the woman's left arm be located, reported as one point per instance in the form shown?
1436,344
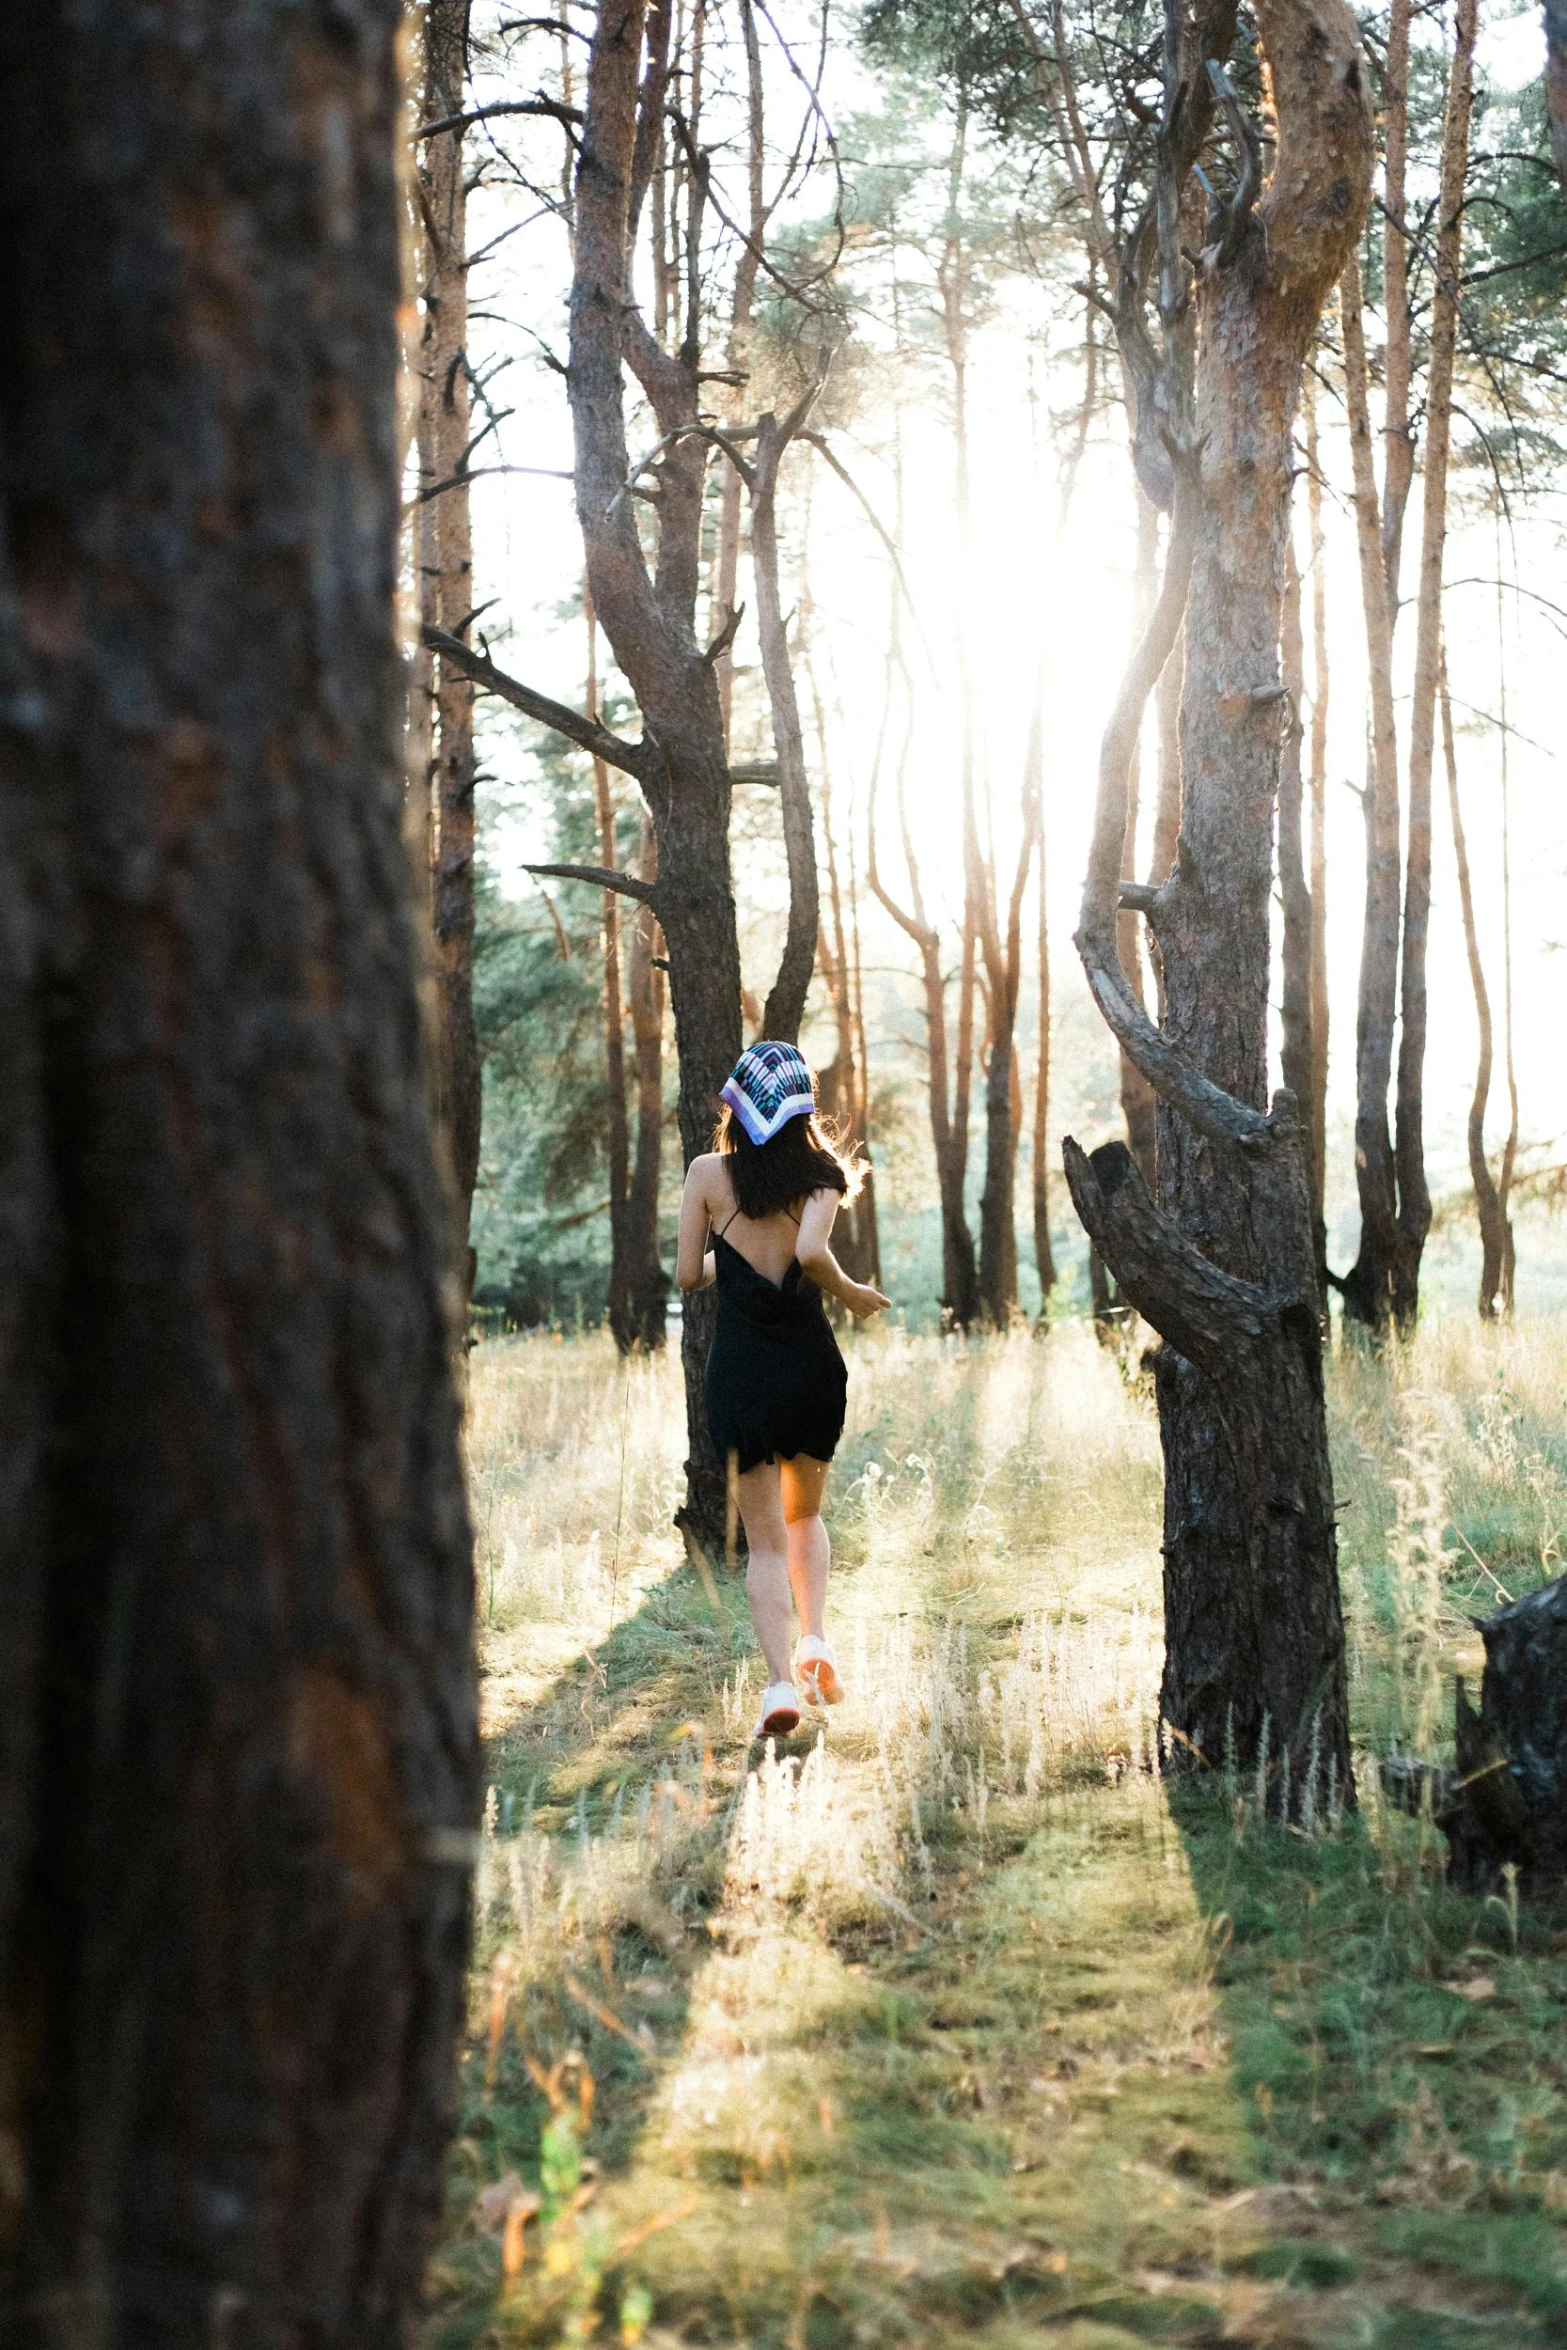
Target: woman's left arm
695,1267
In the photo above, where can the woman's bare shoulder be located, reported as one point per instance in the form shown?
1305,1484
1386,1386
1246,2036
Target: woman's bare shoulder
706,1175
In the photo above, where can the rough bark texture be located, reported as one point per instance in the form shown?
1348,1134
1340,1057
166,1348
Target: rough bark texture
1505,1805
1226,1272
618,1125
649,617
1249,1532
648,1282
445,389
238,1752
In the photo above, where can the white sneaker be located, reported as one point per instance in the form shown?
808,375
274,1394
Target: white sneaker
780,1713
817,1666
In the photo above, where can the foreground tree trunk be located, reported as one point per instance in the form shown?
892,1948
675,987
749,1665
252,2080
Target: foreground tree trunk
238,1752
444,392
1224,1268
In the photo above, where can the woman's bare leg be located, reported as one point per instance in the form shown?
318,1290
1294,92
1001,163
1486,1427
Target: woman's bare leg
767,1574
809,1551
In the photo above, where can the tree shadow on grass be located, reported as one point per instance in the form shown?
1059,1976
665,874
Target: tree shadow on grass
603,1858
1405,2076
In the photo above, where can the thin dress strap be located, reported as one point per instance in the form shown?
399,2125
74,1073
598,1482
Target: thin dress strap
789,1212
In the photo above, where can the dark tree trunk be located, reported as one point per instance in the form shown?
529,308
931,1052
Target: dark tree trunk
445,388
618,1125
1505,1805
238,1750
648,1282
1226,1272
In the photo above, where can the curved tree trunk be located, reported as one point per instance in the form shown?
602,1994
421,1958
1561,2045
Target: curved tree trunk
785,1006
1488,1207
238,1744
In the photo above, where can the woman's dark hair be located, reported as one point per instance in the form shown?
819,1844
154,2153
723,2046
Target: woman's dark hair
803,1157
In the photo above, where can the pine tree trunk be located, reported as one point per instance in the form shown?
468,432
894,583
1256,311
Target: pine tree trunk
648,1282
1253,1631
446,367
1317,1098
618,1127
1488,1209
239,1764
1369,1285
650,621
1298,1056
1414,1198
1254,1657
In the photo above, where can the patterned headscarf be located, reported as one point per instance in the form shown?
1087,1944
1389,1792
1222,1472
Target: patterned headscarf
769,1085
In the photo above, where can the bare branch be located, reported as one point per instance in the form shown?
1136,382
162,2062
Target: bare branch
625,885
636,759
550,107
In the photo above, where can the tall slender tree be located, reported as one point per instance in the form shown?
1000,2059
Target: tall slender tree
446,557
238,1740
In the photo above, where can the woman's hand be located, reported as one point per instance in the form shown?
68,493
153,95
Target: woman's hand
866,1301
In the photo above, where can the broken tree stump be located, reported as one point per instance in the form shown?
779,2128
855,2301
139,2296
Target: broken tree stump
1505,1803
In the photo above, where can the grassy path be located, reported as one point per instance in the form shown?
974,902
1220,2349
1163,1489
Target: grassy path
950,2029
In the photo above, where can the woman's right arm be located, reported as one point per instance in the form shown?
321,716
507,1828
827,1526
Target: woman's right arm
694,1266
817,1260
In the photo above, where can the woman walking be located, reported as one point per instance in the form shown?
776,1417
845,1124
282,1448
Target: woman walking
767,1193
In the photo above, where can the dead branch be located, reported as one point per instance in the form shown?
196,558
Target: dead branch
625,885
638,759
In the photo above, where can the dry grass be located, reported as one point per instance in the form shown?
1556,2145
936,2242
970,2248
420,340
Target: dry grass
943,2025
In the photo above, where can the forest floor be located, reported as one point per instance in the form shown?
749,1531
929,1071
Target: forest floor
953,2023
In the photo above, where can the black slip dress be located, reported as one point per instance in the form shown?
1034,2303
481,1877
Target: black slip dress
776,1383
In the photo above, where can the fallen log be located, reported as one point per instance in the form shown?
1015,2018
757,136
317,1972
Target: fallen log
1505,1802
